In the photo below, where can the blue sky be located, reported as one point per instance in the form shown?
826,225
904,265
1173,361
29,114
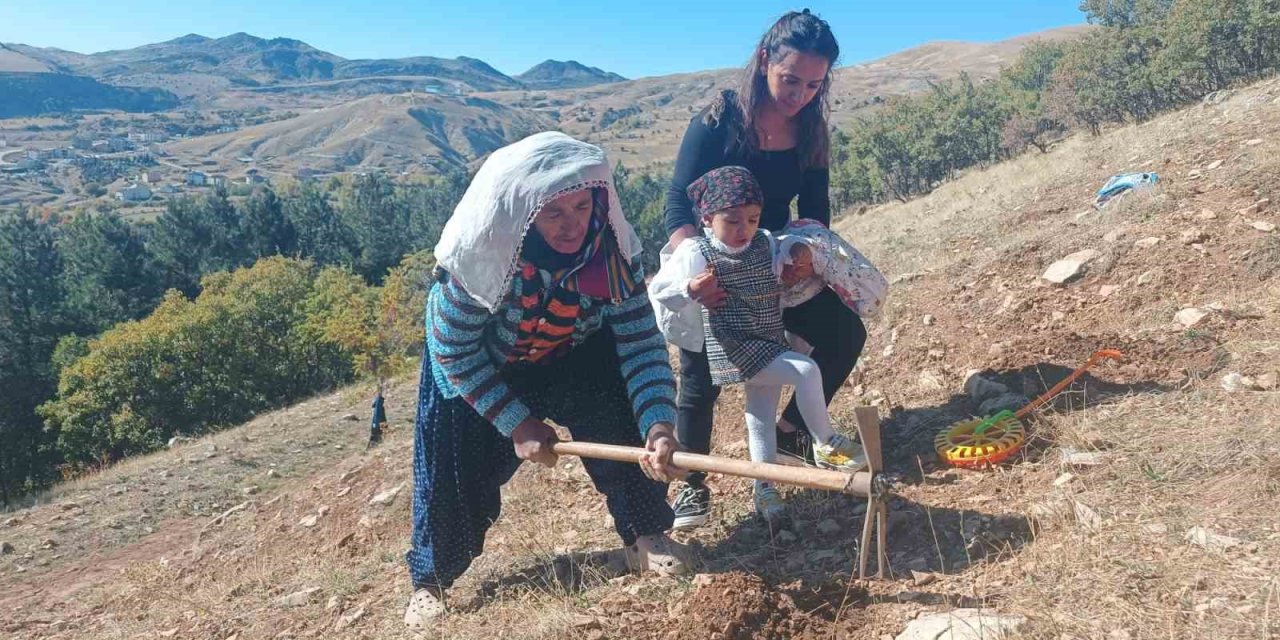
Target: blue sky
634,38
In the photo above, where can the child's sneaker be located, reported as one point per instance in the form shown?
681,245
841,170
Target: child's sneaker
840,453
769,504
692,506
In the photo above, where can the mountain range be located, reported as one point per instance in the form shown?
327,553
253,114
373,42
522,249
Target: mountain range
195,66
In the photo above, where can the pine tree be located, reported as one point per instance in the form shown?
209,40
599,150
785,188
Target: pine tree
31,320
321,234
109,275
265,228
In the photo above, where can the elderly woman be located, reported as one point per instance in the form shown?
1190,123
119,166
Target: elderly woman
539,313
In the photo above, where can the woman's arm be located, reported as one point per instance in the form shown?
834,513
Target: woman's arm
642,354
701,150
455,326
815,196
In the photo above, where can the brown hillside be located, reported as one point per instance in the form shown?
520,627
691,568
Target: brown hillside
1166,529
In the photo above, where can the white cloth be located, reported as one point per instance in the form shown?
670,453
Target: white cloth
836,264
512,186
679,316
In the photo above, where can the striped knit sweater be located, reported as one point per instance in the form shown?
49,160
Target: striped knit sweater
468,346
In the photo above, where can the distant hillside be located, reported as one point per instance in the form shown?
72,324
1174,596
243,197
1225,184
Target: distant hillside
197,65
13,61
641,121
394,132
554,74
26,94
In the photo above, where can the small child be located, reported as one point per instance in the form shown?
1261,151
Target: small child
744,339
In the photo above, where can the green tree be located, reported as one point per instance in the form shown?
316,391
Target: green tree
194,366
321,234
196,236
429,205
378,220
1125,13
265,228
109,275
31,319
1023,88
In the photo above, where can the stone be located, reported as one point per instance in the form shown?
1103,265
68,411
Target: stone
250,490
962,624
1215,164
1059,316
829,527
343,491
1267,382
388,496
1235,383
1070,267
49,544
581,621
931,381
1190,316
272,473
350,417
333,603
927,320
178,441
1192,236
922,578
1264,226
324,509
1147,243
1072,457
1202,537
1087,517
297,598
350,618
1206,214
309,521
1146,278
1253,143
1107,290
1113,236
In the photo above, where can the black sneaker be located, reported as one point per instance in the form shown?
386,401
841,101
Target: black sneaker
692,506
796,445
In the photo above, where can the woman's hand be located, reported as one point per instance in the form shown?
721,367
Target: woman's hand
705,290
532,439
683,233
661,445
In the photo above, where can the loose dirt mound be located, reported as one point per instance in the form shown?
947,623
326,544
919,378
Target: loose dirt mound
739,605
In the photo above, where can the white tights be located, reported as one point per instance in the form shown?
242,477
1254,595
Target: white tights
764,392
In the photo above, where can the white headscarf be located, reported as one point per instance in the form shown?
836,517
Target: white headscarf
480,244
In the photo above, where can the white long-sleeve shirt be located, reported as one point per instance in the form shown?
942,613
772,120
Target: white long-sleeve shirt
670,286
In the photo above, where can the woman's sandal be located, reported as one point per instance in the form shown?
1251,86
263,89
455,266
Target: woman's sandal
425,606
657,552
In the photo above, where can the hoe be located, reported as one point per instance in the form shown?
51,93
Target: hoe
871,484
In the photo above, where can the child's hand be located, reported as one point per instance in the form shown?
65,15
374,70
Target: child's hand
801,266
705,290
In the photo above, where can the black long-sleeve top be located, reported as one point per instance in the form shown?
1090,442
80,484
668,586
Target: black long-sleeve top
779,173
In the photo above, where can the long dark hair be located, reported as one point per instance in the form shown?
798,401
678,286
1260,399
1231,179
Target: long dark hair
798,32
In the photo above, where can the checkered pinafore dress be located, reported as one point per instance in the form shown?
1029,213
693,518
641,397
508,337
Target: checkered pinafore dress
746,334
